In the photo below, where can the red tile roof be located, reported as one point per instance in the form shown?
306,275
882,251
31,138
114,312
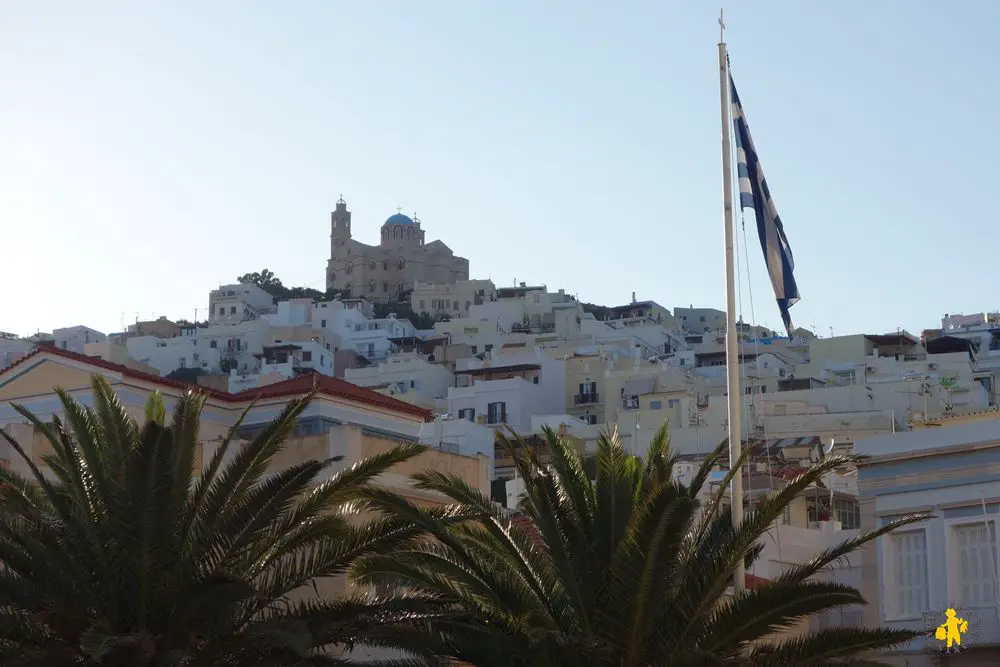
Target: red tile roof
303,384
528,527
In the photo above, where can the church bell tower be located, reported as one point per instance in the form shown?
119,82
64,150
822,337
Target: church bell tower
340,226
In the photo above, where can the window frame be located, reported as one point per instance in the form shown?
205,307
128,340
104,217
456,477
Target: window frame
953,561
890,590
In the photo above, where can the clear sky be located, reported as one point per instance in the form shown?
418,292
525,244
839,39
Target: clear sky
150,151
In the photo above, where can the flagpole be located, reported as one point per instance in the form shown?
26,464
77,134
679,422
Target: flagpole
732,344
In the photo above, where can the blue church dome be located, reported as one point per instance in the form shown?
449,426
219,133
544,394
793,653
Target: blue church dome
399,219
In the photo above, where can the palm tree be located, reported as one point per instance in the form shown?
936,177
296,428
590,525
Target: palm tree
627,569
124,556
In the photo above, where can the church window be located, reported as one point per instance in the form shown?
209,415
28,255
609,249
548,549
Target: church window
349,269
385,287
402,288
409,233
401,264
396,232
385,266
371,265
371,287
347,290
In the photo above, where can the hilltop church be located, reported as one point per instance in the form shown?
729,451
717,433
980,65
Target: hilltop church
391,268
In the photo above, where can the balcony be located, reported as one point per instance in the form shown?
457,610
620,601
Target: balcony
585,399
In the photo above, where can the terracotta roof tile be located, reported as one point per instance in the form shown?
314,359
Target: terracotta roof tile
323,384
528,527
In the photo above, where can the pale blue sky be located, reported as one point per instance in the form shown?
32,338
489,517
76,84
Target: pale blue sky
150,151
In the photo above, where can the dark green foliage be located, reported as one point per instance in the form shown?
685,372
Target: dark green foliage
123,557
630,570
271,284
186,374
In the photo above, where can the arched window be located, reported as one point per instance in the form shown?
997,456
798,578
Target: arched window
371,287
396,232
371,265
350,269
401,264
409,233
385,287
401,289
347,290
385,266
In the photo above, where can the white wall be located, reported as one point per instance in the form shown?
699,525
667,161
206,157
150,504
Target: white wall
415,379
74,339
459,436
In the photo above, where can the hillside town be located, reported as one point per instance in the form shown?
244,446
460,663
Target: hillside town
408,345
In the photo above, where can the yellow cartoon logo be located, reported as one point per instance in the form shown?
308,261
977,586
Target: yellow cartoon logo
952,630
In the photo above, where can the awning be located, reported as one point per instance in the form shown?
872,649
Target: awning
639,386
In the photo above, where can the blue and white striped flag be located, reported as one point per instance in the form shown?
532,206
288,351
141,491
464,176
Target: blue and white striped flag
754,194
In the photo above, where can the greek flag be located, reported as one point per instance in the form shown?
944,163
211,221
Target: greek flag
754,194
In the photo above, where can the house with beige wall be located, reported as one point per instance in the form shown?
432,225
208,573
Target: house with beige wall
451,299
342,419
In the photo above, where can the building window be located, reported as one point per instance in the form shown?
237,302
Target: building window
848,512
496,413
347,290
468,414
402,288
322,323
700,319
467,304
656,405
474,349
455,305
371,265
489,347
906,571
385,288
973,555
349,269
307,355
422,305
232,310
673,402
400,264
385,266
371,287
589,419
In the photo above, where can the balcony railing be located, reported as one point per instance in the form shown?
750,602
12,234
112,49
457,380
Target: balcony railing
585,399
